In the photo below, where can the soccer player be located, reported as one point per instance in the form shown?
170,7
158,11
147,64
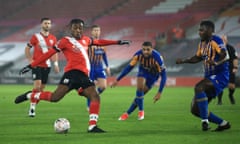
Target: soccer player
233,68
212,51
76,74
97,55
41,42
151,67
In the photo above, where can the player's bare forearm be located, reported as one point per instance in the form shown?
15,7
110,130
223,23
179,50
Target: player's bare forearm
194,59
235,66
28,54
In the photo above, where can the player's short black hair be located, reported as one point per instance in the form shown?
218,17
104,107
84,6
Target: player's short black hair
76,21
208,23
147,43
95,26
44,18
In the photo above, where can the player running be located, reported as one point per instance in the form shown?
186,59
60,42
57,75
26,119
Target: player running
213,53
97,55
151,67
41,42
76,74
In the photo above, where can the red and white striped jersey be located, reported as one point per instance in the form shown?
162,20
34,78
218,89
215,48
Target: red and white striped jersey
41,45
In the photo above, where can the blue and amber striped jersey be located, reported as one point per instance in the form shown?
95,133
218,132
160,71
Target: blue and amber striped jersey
210,51
152,64
97,55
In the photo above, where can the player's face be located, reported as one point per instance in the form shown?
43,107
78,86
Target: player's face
204,32
46,25
147,51
77,30
96,32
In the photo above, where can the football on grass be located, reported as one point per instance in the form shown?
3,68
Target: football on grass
61,125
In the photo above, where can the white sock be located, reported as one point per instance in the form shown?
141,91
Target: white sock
91,127
29,95
205,120
223,123
32,106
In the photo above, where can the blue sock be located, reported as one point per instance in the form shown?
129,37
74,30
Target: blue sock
215,119
132,107
88,102
139,99
99,90
202,102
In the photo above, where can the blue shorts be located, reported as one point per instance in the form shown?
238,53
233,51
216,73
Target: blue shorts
97,73
220,81
150,78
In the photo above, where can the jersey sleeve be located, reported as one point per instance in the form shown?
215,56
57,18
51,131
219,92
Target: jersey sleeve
163,74
134,59
217,46
163,80
129,67
102,42
33,41
44,57
61,44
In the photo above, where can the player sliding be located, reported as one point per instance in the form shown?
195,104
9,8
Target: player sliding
151,67
76,74
213,53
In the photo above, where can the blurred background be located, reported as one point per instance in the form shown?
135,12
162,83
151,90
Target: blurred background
171,25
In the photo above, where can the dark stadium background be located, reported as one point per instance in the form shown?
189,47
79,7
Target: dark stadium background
136,20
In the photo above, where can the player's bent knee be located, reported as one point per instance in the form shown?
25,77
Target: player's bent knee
195,111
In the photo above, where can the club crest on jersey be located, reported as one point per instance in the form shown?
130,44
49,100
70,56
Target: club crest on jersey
51,41
84,42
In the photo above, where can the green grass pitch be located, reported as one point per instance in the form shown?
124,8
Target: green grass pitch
166,122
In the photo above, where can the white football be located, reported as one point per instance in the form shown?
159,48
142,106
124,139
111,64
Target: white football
61,125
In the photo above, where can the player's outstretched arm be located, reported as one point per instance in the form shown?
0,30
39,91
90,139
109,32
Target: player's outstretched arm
36,62
194,59
102,42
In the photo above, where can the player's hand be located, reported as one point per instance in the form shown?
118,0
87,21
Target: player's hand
235,70
25,69
156,97
108,71
114,84
179,61
56,69
123,42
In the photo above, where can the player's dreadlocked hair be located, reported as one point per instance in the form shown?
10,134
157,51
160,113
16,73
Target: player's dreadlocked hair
208,23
